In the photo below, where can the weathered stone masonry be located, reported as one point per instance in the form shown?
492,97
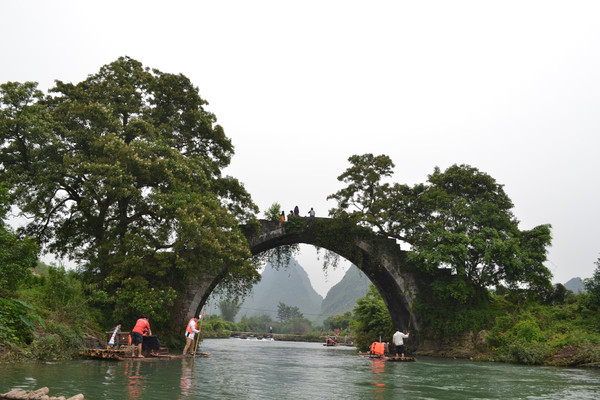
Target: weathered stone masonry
381,259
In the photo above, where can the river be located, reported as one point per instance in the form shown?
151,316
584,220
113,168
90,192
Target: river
256,369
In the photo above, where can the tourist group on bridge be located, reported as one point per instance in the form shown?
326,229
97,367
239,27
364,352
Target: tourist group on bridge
295,213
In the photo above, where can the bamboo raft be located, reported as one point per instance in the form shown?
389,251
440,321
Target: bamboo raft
125,355
401,359
123,350
386,358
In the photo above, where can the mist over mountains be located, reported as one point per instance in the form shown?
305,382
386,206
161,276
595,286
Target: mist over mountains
342,297
291,285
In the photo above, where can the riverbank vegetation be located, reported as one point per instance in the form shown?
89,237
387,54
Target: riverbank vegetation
48,317
510,328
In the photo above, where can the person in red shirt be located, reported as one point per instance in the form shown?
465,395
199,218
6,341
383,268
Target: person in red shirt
137,335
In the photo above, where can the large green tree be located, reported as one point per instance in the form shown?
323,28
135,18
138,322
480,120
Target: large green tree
371,320
122,173
592,286
461,221
287,313
229,309
18,256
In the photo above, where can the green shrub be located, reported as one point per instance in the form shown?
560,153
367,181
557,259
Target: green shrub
273,212
57,342
592,286
529,331
18,321
522,351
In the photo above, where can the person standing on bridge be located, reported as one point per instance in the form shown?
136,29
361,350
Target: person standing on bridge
190,334
398,340
311,213
296,211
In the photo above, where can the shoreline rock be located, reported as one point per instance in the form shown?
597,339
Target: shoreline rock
39,394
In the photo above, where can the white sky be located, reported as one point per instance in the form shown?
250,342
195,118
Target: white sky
509,87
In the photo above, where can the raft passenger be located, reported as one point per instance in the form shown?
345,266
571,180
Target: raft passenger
137,333
190,333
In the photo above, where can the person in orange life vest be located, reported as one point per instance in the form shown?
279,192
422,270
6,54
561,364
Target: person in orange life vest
282,217
190,333
136,335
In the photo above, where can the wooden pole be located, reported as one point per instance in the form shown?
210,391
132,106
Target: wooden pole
412,302
198,334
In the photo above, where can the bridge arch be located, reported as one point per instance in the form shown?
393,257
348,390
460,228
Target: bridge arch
381,259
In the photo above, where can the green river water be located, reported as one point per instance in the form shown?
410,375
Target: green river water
255,369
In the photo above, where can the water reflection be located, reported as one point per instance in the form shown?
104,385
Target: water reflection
186,383
378,369
262,370
136,382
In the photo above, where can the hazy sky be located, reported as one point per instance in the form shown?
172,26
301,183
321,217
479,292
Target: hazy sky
509,87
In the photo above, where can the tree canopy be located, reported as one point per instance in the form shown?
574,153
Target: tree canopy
592,286
122,173
287,313
371,319
229,309
17,256
461,220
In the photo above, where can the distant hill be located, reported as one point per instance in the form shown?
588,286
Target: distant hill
292,286
289,285
343,296
575,285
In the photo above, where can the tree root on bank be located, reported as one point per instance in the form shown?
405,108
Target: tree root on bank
40,394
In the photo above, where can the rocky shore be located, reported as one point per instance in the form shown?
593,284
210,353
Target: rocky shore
40,394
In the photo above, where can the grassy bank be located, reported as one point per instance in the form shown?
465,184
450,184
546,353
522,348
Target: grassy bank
563,335
532,334
48,318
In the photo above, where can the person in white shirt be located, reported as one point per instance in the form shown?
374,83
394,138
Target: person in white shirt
398,340
190,333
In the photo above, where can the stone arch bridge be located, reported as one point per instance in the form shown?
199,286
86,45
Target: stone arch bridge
381,259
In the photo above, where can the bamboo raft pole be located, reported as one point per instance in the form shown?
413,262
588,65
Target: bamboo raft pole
198,334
